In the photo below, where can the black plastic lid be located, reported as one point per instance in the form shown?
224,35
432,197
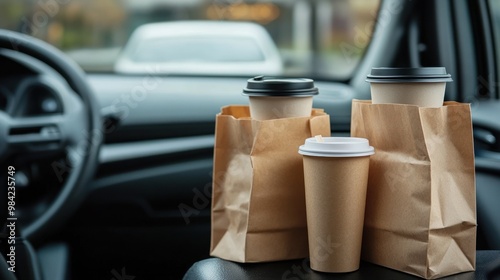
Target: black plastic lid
408,75
270,86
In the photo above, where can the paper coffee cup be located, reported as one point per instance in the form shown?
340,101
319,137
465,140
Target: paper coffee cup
336,176
423,87
275,98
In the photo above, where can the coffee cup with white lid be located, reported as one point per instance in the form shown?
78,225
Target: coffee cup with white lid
335,179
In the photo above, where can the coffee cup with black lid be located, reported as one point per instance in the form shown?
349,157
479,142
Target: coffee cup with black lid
276,98
424,87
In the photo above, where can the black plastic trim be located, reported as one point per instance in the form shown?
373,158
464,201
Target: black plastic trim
466,62
485,53
127,151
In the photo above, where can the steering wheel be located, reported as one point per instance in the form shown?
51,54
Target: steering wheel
65,131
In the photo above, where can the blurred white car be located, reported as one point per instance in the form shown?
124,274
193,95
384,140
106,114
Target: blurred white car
200,48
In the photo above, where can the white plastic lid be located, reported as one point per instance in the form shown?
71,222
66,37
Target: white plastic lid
337,147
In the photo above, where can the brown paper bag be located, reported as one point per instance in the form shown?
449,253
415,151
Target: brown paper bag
421,206
258,203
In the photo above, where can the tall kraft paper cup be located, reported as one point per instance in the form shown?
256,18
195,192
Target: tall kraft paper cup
424,87
276,98
336,176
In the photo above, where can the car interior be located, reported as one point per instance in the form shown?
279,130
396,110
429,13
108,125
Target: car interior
113,171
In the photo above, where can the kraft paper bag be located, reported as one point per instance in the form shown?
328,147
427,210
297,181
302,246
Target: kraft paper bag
420,213
258,196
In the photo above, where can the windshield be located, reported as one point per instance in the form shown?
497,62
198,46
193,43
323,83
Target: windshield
319,38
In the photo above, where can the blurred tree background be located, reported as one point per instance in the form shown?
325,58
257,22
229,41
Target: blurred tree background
67,24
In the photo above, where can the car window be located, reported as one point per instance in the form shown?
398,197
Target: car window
314,38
